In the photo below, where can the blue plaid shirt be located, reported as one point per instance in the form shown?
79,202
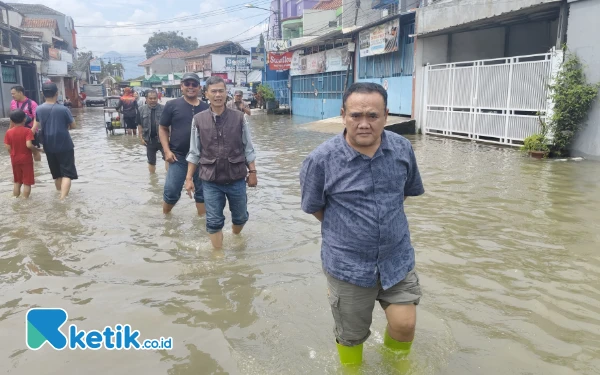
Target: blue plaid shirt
365,231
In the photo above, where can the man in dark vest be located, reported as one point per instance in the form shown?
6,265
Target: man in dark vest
148,120
221,144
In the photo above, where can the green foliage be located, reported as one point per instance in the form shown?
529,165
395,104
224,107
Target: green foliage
163,40
266,92
538,141
261,41
572,97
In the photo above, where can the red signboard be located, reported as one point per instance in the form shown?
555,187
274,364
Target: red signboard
280,61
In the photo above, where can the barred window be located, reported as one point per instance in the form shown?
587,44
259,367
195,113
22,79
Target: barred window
9,74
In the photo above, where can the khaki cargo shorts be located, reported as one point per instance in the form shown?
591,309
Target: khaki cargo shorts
352,306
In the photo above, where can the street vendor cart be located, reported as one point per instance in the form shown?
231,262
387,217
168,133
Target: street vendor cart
112,119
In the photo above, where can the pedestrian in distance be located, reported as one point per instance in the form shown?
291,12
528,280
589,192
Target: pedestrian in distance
221,149
238,103
128,106
356,185
174,132
55,121
18,140
148,119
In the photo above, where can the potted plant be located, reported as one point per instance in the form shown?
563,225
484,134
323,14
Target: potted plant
536,145
268,96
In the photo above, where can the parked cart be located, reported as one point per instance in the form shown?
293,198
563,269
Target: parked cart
112,119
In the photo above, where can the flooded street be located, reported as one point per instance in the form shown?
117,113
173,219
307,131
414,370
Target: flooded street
507,251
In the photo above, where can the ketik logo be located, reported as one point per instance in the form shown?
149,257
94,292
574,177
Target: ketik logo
280,61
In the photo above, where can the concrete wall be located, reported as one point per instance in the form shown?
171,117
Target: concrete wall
477,45
582,39
315,22
63,21
532,38
449,13
15,18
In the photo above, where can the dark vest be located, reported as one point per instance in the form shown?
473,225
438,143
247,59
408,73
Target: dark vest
222,158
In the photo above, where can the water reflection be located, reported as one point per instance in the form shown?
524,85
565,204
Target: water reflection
506,250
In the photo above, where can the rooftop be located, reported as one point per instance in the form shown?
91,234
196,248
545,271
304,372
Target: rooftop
328,5
39,23
223,47
35,9
171,53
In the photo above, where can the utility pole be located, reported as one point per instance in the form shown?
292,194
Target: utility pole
279,20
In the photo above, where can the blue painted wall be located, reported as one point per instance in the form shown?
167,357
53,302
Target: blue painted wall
315,108
399,93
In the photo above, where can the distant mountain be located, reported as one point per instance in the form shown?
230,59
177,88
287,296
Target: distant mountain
129,61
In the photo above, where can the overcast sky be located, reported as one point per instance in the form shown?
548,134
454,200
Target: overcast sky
215,21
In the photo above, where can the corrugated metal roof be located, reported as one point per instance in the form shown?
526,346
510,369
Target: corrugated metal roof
210,48
328,5
35,9
171,53
39,23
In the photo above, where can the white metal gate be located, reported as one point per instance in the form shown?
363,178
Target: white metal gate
495,101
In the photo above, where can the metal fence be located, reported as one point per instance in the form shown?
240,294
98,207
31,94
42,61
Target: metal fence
281,90
499,101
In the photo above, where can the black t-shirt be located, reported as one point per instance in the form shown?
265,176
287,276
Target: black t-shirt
178,115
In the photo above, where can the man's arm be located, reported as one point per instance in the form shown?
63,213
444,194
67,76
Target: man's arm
7,147
312,187
250,155
193,158
319,215
247,110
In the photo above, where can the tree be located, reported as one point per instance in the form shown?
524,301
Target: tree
163,40
261,42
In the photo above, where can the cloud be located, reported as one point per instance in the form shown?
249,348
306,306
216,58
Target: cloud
130,40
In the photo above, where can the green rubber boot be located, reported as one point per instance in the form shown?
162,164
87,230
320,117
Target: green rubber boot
350,355
396,346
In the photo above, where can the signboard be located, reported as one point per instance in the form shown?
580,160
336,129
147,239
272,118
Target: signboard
334,60
95,66
241,62
258,57
54,53
280,61
277,45
379,39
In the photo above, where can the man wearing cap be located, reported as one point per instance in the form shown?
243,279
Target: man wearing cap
175,131
238,103
55,121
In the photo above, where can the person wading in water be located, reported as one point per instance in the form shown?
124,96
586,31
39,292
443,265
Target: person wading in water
221,144
174,131
355,184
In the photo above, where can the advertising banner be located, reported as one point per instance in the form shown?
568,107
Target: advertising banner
379,39
54,53
95,66
258,57
276,45
334,60
241,62
280,61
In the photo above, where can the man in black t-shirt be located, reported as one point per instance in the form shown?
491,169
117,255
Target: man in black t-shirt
175,131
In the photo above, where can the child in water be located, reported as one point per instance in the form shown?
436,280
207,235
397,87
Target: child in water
19,143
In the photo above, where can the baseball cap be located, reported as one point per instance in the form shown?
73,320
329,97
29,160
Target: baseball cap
192,76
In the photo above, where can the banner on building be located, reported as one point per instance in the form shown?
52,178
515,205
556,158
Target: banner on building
280,61
241,63
257,55
277,45
333,60
95,66
380,39
54,53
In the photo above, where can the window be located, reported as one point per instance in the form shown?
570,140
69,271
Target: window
9,74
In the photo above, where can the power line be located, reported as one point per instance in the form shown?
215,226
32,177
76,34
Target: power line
176,19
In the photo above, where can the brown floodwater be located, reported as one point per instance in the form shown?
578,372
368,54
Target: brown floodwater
507,248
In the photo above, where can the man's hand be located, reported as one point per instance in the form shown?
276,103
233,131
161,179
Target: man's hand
189,187
252,180
143,142
170,157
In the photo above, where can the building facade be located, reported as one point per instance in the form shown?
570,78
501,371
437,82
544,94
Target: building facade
168,61
228,60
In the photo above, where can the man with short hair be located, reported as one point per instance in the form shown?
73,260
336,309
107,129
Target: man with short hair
55,121
20,101
355,184
221,144
238,103
148,119
174,131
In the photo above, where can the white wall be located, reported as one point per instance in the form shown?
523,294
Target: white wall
582,39
316,22
15,18
218,62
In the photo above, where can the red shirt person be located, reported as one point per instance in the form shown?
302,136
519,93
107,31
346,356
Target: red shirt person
19,142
